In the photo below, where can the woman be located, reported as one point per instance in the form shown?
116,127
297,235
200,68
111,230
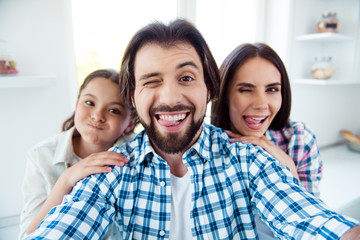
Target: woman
254,104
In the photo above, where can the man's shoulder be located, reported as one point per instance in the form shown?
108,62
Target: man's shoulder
133,148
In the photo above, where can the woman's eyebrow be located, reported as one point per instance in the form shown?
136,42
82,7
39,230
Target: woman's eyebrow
245,85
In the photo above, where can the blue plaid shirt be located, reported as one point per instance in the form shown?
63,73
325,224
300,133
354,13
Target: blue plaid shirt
229,183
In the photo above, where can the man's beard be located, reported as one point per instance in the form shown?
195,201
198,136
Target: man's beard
172,143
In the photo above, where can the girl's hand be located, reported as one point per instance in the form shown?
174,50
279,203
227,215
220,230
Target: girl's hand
268,146
94,163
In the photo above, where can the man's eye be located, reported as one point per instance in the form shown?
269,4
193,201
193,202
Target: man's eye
151,82
187,79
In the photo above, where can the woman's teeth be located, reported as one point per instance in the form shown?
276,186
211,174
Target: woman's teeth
258,118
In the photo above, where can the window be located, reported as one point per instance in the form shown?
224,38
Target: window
102,29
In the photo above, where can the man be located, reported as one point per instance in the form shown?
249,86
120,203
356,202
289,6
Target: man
184,179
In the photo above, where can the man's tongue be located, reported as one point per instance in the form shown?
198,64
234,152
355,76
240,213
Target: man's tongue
167,123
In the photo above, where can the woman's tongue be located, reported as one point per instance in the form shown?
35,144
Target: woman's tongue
254,121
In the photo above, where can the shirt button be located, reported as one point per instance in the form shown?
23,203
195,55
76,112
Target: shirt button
162,233
162,183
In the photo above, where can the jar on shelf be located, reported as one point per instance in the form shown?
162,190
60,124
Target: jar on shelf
7,63
321,68
328,23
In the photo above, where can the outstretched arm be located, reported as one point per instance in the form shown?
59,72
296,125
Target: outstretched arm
95,163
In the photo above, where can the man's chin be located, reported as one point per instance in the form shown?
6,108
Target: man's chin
173,142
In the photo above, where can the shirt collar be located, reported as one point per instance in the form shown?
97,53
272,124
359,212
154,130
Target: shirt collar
64,150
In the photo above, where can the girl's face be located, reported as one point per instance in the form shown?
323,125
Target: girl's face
100,115
254,97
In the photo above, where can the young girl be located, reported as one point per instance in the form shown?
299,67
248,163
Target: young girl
254,103
101,120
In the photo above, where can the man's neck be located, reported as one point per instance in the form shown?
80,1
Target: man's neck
177,167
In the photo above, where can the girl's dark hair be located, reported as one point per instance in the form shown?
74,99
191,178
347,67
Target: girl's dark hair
167,36
220,109
110,74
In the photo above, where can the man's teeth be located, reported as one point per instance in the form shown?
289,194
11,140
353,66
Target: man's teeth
178,117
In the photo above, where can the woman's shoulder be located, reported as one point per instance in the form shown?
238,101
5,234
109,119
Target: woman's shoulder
292,128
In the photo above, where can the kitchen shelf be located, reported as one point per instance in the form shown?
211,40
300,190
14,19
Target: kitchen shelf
323,37
26,81
329,82
311,81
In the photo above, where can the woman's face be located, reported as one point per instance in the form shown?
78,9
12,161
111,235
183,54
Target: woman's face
254,97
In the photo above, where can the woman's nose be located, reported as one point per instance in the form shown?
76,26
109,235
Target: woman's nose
260,101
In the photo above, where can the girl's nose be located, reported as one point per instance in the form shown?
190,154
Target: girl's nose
97,116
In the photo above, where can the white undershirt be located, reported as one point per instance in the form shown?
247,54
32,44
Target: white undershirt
180,227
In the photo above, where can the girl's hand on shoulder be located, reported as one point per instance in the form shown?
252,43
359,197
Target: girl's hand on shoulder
94,163
269,147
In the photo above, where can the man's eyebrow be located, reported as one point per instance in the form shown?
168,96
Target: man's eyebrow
189,63
148,75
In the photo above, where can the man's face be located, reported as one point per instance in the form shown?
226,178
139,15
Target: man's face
170,95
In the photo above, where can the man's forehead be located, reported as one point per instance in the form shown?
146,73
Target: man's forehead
180,54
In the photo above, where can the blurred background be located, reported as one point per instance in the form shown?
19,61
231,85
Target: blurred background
48,47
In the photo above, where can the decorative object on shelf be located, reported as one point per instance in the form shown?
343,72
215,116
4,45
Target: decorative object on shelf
321,68
328,23
352,140
7,63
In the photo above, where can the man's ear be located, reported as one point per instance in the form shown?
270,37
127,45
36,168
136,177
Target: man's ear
133,101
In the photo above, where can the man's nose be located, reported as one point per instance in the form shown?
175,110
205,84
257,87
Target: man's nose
170,94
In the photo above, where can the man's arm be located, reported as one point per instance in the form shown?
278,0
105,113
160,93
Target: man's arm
285,204
86,212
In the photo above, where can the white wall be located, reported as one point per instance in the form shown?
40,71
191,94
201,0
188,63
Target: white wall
325,109
39,34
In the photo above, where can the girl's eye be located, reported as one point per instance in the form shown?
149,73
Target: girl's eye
186,79
115,111
90,103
